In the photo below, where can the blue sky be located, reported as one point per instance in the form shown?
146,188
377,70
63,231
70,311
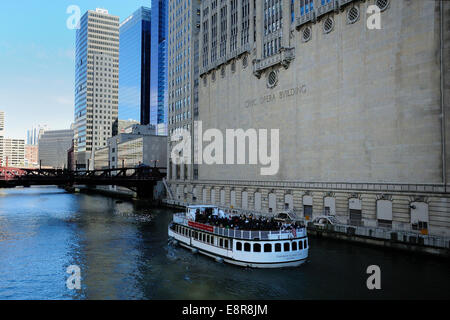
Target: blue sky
37,60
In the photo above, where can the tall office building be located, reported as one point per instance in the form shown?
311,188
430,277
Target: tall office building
357,139
12,151
96,82
134,69
2,123
35,133
183,73
53,148
158,82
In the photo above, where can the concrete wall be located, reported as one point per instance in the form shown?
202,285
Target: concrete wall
369,110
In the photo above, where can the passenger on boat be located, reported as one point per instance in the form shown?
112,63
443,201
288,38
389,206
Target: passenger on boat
242,222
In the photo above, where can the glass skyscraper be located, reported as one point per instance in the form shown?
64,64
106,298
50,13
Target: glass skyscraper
134,67
158,82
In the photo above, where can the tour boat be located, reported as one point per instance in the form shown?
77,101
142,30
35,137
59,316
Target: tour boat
287,246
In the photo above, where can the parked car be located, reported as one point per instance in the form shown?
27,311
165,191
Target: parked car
286,217
323,221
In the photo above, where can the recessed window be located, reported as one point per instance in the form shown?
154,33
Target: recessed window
382,4
268,247
247,247
239,246
277,247
353,15
300,245
272,79
287,247
245,62
256,247
328,25
306,34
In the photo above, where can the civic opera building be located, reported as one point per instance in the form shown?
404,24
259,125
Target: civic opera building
362,110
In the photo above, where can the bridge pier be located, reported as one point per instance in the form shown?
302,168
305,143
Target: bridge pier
145,191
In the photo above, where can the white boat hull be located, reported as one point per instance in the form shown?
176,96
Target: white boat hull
246,259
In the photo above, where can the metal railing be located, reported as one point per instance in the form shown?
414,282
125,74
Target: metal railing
406,236
181,219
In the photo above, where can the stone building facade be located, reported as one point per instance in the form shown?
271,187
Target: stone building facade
362,112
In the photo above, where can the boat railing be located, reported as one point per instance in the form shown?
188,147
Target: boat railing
246,234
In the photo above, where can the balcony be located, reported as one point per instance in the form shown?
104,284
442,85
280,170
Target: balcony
283,57
221,60
330,6
307,17
320,11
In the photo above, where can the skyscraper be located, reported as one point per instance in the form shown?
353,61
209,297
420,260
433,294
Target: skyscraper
11,150
158,82
2,123
96,82
35,133
184,19
134,70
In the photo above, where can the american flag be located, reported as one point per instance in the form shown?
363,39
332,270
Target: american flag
294,232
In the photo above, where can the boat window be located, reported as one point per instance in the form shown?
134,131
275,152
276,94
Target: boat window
306,243
247,247
212,239
221,242
256,247
226,243
277,247
268,247
207,238
287,247
300,245
294,246
239,246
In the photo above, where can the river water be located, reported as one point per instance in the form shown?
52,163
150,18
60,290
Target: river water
122,251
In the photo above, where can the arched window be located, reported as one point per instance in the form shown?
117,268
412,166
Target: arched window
300,245
277,247
239,246
287,247
294,246
247,247
268,247
256,247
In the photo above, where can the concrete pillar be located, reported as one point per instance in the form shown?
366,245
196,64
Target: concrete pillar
286,18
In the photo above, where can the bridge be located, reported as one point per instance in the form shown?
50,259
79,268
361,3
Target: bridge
141,179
